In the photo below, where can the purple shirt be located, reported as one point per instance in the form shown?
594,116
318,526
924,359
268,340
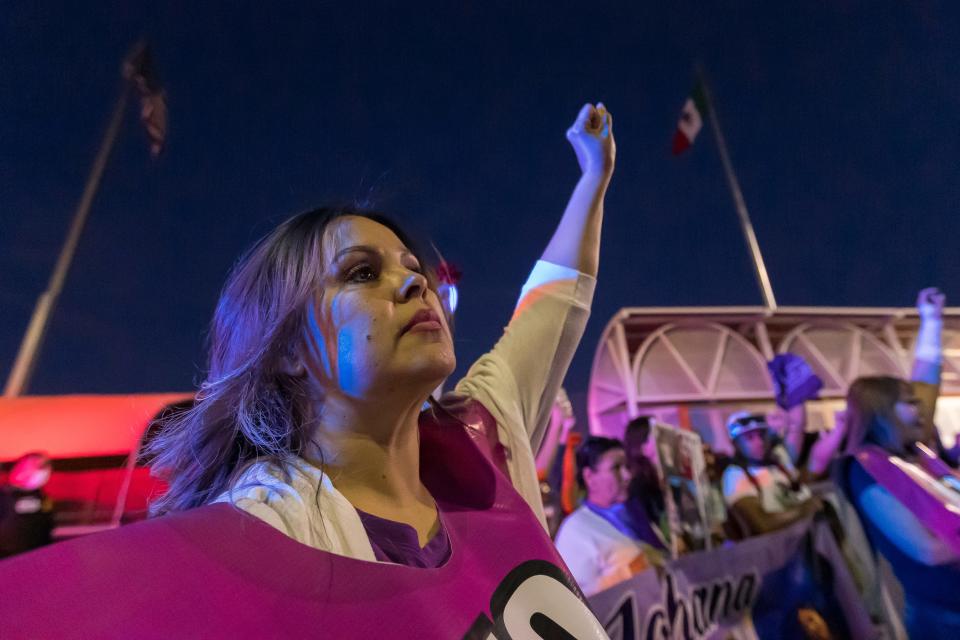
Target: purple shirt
397,542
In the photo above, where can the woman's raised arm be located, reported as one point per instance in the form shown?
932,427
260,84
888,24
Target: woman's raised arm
928,355
518,379
576,241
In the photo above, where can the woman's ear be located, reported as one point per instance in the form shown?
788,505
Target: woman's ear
293,366
587,477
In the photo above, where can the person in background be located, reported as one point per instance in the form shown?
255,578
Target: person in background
646,494
927,369
26,514
716,464
600,542
549,467
561,422
645,501
794,384
895,477
761,488
571,494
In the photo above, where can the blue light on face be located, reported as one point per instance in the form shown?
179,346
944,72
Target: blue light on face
346,367
338,359
453,296
449,296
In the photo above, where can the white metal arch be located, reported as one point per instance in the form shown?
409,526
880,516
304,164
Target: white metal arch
841,352
652,360
712,362
611,400
687,361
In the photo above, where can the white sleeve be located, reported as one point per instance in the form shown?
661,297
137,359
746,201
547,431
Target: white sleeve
268,514
522,374
519,378
580,556
737,485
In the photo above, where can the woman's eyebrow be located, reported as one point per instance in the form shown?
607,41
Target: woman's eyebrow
365,248
360,248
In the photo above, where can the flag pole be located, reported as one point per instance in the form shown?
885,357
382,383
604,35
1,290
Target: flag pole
37,329
759,267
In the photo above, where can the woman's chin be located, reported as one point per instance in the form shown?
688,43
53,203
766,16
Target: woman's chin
432,367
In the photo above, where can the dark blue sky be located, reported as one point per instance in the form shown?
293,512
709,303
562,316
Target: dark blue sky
842,119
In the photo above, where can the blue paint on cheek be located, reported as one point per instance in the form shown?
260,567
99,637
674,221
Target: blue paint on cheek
348,376
349,356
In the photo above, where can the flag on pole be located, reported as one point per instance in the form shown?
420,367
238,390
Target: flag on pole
691,120
138,69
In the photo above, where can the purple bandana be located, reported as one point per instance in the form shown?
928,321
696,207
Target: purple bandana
794,382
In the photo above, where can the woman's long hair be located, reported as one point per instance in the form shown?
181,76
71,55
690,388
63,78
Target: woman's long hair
871,413
644,490
248,408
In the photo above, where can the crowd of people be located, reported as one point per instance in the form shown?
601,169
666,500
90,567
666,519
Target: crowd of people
309,478
883,456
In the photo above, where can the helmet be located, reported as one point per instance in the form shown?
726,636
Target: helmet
743,421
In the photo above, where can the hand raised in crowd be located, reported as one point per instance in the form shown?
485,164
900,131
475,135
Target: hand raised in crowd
568,420
591,136
930,303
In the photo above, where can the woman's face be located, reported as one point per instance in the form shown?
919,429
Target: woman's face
753,444
908,413
375,328
608,481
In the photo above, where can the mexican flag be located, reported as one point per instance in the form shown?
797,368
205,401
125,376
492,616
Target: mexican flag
691,120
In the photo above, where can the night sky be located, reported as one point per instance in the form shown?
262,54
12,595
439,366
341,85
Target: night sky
842,118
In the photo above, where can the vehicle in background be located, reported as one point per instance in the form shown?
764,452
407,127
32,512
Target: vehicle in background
93,442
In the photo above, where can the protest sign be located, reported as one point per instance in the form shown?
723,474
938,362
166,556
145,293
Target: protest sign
788,584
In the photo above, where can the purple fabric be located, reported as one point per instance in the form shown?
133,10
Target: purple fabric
625,521
935,515
217,572
397,542
794,381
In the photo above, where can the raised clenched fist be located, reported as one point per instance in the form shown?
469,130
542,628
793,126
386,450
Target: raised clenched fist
591,136
930,303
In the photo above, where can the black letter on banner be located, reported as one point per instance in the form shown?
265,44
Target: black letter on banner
701,614
657,627
622,624
539,596
720,611
745,592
